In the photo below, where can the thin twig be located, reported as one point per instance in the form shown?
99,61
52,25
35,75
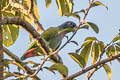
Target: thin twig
26,12
81,23
99,59
41,65
1,45
13,56
92,67
29,28
16,74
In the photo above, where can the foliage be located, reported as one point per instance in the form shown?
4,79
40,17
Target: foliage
91,47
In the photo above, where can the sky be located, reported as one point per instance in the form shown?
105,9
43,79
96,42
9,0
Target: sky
108,22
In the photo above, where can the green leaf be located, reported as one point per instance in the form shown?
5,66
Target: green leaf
110,51
77,58
85,52
10,34
108,71
27,18
101,46
65,7
62,69
48,3
8,13
98,3
75,15
82,10
117,49
118,43
4,3
84,27
36,11
90,38
26,3
49,69
95,53
86,43
116,38
94,27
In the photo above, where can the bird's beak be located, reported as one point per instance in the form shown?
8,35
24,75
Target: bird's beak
74,29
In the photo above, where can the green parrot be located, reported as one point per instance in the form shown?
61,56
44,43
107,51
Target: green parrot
54,37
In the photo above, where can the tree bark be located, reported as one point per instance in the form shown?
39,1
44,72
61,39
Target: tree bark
1,47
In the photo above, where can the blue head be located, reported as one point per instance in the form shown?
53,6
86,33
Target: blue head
68,24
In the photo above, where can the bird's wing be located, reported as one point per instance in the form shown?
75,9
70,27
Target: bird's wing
50,33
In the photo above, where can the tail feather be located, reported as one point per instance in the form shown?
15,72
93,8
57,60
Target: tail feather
29,53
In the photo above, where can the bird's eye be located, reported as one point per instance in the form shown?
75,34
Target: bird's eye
69,23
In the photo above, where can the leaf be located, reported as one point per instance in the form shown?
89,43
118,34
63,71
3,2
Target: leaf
90,38
85,52
108,71
48,3
10,34
75,42
117,49
62,69
77,58
118,43
82,10
76,16
65,7
7,75
95,53
98,3
8,13
28,19
49,69
4,3
36,11
116,38
94,27
86,43
101,46
110,51
26,4
84,27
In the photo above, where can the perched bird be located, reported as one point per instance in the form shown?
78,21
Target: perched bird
54,37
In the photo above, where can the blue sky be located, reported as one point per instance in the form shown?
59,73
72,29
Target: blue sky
107,20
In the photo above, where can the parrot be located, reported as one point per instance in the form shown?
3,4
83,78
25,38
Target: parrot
53,36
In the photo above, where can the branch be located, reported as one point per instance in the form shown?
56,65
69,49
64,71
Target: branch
99,59
40,67
26,12
13,56
93,66
16,74
28,27
81,23
1,46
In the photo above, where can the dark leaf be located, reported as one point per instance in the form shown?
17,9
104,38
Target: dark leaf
94,27
48,3
75,42
62,69
98,3
85,52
